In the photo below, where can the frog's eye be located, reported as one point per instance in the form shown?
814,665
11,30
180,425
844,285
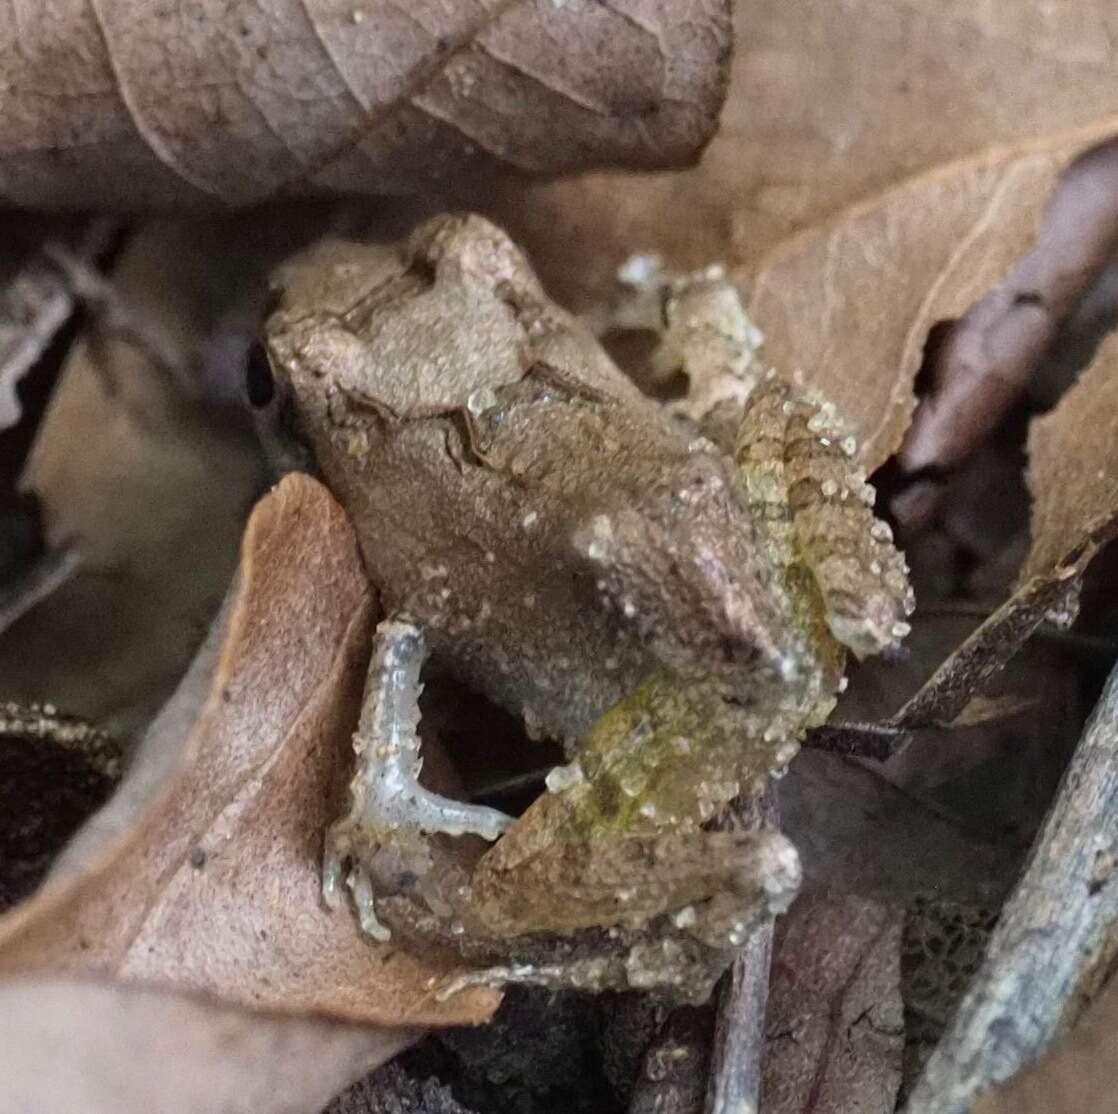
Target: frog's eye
260,384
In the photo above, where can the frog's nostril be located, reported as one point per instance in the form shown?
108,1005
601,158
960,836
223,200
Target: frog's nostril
260,385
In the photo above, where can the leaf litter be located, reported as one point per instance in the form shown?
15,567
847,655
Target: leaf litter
213,886
854,245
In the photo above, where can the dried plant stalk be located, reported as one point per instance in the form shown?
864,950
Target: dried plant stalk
1053,941
739,1034
739,1037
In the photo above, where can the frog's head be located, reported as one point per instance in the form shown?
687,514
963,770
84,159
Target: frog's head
367,333
678,566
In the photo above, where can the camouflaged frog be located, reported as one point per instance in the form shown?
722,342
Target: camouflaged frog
668,591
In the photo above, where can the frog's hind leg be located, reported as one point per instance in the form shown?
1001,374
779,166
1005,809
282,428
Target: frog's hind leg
390,811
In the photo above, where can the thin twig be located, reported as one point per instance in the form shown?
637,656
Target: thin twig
739,1033
34,305
1054,939
942,698
44,577
114,319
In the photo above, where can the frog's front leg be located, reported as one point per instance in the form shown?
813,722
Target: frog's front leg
391,813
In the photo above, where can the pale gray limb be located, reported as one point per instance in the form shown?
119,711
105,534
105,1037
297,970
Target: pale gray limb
734,1085
389,806
1054,940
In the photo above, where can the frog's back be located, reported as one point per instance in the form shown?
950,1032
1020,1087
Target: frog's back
478,437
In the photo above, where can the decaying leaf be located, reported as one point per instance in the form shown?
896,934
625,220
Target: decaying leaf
119,103
70,1044
391,1090
1073,469
1073,476
987,358
1054,943
214,886
834,1028
828,105
943,947
852,302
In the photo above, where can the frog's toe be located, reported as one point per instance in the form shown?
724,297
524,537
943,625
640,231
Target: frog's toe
434,814
361,886
333,873
348,859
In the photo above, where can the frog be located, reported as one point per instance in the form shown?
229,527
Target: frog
668,591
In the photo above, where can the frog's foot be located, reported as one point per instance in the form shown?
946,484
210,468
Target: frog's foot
391,813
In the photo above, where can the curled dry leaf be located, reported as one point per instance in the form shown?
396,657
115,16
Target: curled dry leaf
119,103
834,1028
852,302
988,356
70,1044
1073,476
926,253
215,884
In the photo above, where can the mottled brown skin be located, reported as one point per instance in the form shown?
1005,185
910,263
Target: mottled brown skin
584,558
434,488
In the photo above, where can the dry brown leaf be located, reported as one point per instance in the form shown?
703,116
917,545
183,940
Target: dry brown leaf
988,357
834,1027
215,885
112,103
1073,476
70,1045
829,103
852,302
1073,468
